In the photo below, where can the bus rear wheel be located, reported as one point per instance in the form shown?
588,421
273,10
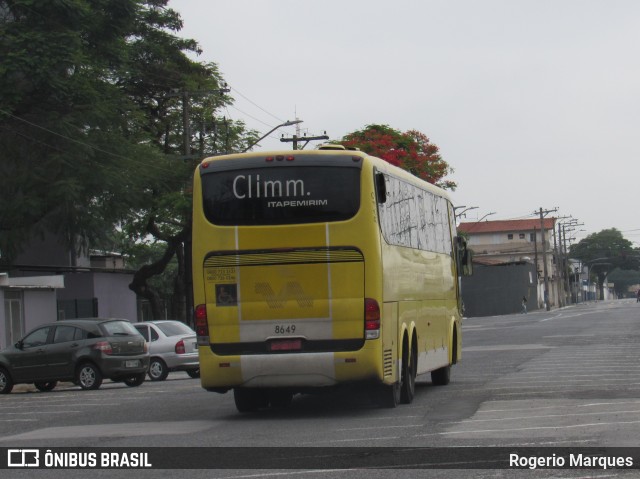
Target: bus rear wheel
390,396
409,370
250,399
280,398
442,376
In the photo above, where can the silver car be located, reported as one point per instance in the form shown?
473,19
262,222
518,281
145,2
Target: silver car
172,347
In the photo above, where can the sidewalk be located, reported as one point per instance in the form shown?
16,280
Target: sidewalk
24,388
30,388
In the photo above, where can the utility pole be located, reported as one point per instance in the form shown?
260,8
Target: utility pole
544,258
558,248
297,138
561,260
535,255
286,123
186,150
570,226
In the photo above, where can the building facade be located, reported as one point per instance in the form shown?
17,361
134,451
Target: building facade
48,282
530,241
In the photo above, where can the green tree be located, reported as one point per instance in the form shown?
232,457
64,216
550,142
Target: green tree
623,280
605,251
92,101
410,150
63,120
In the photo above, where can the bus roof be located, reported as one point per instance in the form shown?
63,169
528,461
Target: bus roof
333,150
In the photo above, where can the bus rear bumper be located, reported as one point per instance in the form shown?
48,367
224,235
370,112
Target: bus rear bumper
291,370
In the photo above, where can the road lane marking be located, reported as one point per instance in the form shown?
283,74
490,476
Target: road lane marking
113,430
506,347
533,428
498,419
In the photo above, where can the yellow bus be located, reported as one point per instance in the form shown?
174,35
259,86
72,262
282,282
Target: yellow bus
313,269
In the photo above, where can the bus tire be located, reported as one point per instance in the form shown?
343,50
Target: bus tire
280,398
250,399
409,370
442,376
389,396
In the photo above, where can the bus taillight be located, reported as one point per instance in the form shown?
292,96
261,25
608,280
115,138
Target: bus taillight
371,319
202,324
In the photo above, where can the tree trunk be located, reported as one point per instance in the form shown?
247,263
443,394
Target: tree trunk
601,279
139,284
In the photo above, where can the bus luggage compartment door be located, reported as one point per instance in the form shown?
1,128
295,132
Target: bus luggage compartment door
313,295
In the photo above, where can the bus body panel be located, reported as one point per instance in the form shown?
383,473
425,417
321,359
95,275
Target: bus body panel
308,300
423,284
278,298
390,342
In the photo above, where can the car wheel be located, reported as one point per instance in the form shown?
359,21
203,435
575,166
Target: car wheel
89,376
134,381
6,384
158,370
46,386
194,373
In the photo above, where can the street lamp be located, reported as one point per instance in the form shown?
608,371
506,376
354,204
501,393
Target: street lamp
286,123
466,208
488,214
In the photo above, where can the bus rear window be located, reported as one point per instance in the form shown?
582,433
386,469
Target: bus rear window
281,195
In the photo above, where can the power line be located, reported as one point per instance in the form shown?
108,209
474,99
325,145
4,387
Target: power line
83,143
250,116
257,106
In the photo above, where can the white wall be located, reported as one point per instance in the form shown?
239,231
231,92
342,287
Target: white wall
40,306
115,299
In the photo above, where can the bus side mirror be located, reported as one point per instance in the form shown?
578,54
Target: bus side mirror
464,257
381,188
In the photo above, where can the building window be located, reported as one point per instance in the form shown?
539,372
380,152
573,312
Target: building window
532,237
510,236
521,235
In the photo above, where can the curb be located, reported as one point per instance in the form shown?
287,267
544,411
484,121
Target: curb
30,388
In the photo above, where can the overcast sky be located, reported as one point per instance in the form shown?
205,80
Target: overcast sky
533,103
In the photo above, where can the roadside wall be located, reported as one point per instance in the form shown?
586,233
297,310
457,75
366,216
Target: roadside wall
498,289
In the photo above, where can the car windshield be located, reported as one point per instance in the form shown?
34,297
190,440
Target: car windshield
119,328
175,328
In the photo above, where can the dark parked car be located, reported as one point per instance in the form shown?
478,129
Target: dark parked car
172,347
84,351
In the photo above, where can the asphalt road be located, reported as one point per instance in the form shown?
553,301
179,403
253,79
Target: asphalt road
566,378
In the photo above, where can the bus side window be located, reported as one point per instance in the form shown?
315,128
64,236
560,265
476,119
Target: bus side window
381,188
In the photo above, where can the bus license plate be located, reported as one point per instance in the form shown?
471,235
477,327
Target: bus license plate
286,345
132,364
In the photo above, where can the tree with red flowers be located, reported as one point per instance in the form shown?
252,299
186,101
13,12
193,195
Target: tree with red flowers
411,151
